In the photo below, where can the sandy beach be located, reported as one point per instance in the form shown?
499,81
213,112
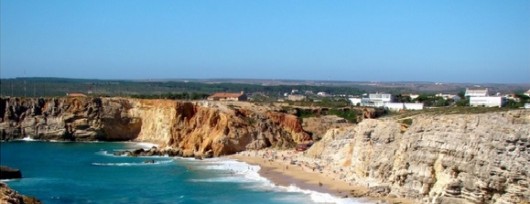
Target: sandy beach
289,167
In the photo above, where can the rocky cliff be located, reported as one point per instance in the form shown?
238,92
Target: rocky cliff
479,158
9,196
192,128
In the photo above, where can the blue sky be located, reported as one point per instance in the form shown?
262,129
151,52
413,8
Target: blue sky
439,41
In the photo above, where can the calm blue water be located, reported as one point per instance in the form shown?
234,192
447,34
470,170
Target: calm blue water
86,173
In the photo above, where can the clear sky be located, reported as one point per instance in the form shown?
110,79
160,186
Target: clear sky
439,41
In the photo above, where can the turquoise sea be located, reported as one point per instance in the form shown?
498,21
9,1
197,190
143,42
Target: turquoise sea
71,172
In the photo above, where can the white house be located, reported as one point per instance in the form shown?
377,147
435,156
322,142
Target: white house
355,101
377,99
380,97
527,105
527,93
385,100
476,92
487,101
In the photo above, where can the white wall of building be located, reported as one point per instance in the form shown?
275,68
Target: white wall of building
355,101
394,106
380,97
403,106
413,106
488,101
476,92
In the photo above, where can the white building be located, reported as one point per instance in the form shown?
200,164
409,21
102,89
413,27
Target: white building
413,106
355,101
403,106
527,105
527,93
394,106
380,97
385,101
487,101
476,92
449,96
376,100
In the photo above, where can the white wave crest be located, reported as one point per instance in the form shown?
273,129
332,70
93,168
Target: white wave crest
133,163
145,145
240,172
27,138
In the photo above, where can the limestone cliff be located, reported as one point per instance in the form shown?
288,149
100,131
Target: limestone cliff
193,128
479,158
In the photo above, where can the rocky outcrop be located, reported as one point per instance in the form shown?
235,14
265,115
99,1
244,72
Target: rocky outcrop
476,158
9,173
192,128
318,126
9,196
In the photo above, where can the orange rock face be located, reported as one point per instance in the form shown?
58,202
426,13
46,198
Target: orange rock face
197,128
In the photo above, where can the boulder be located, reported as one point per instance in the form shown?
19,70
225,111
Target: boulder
9,173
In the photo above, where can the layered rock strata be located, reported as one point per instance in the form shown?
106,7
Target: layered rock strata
480,158
193,128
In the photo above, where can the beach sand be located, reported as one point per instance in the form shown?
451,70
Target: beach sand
280,169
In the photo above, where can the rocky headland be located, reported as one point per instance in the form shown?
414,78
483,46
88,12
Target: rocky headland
450,158
199,128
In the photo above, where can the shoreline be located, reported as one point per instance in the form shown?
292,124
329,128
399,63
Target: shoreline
283,173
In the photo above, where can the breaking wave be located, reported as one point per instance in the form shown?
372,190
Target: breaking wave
133,163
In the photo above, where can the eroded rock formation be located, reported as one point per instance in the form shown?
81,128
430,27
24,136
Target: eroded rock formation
479,158
194,128
9,196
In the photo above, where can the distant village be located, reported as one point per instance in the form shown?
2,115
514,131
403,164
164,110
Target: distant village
474,97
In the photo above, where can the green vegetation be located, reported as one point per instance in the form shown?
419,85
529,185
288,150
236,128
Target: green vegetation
407,121
451,110
323,102
433,101
182,96
348,114
519,101
53,87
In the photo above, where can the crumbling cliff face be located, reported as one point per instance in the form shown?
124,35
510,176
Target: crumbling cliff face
479,158
8,195
192,128
71,118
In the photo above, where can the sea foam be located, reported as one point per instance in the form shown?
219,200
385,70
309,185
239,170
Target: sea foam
133,163
241,172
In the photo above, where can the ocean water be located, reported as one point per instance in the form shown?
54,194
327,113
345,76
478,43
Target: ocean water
68,172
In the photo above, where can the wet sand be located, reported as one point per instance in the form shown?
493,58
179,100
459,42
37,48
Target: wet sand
283,172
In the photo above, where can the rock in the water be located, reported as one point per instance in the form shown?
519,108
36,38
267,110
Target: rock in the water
9,173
